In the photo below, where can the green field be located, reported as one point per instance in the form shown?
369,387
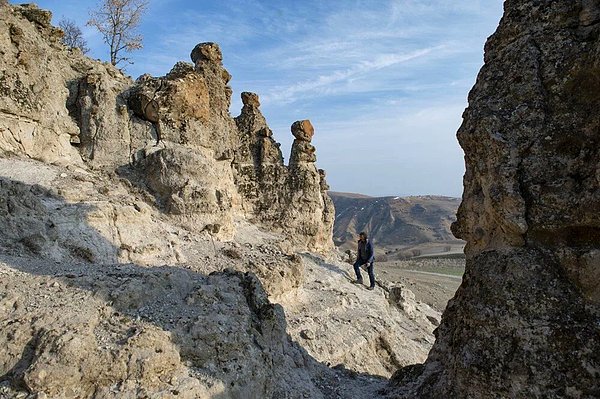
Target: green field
450,267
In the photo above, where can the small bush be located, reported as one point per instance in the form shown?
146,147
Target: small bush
232,253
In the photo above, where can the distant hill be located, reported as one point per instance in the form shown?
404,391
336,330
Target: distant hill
400,226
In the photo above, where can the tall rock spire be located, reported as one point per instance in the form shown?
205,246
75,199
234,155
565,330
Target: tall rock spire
526,320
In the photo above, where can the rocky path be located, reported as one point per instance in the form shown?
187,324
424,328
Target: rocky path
339,322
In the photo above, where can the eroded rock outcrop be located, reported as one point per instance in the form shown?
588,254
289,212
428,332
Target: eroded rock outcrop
259,169
215,168
308,191
54,99
289,198
33,119
190,105
171,135
526,320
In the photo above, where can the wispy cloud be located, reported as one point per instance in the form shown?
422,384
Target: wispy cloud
286,94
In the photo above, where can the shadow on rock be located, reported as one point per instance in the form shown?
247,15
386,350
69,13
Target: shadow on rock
328,266
77,328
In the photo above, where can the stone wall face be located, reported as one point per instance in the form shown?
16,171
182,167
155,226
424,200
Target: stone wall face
33,118
526,320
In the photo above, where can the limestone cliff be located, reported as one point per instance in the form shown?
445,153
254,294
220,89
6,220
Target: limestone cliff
172,136
526,320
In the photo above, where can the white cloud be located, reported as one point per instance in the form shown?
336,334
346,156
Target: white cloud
286,94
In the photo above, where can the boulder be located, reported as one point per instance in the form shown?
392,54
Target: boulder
106,137
207,60
250,99
182,108
303,130
207,52
403,298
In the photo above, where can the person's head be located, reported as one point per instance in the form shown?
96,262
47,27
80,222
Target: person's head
362,236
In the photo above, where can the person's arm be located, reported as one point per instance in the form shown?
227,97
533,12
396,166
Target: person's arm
370,252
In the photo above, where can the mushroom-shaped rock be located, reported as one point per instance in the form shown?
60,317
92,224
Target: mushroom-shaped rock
303,130
250,99
207,52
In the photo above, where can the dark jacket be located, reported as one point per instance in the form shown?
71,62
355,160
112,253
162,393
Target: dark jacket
365,251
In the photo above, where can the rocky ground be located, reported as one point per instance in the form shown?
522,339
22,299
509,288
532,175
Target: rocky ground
341,323
104,296
433,281
174,332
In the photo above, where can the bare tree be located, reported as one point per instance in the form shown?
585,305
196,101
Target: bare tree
73,37
117,21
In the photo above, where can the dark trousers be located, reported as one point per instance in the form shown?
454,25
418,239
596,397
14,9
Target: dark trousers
369,270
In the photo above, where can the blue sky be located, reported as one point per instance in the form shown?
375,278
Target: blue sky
384,82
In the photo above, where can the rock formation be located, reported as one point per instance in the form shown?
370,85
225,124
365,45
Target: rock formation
144,232
292,198
260,173
526,320
218,169
172,135
33,119
307,191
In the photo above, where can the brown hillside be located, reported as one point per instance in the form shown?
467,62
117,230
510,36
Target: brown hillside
420,223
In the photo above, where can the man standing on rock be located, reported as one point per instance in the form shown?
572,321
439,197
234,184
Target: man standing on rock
365,256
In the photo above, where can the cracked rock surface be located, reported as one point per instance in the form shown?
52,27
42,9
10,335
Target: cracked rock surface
525,322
